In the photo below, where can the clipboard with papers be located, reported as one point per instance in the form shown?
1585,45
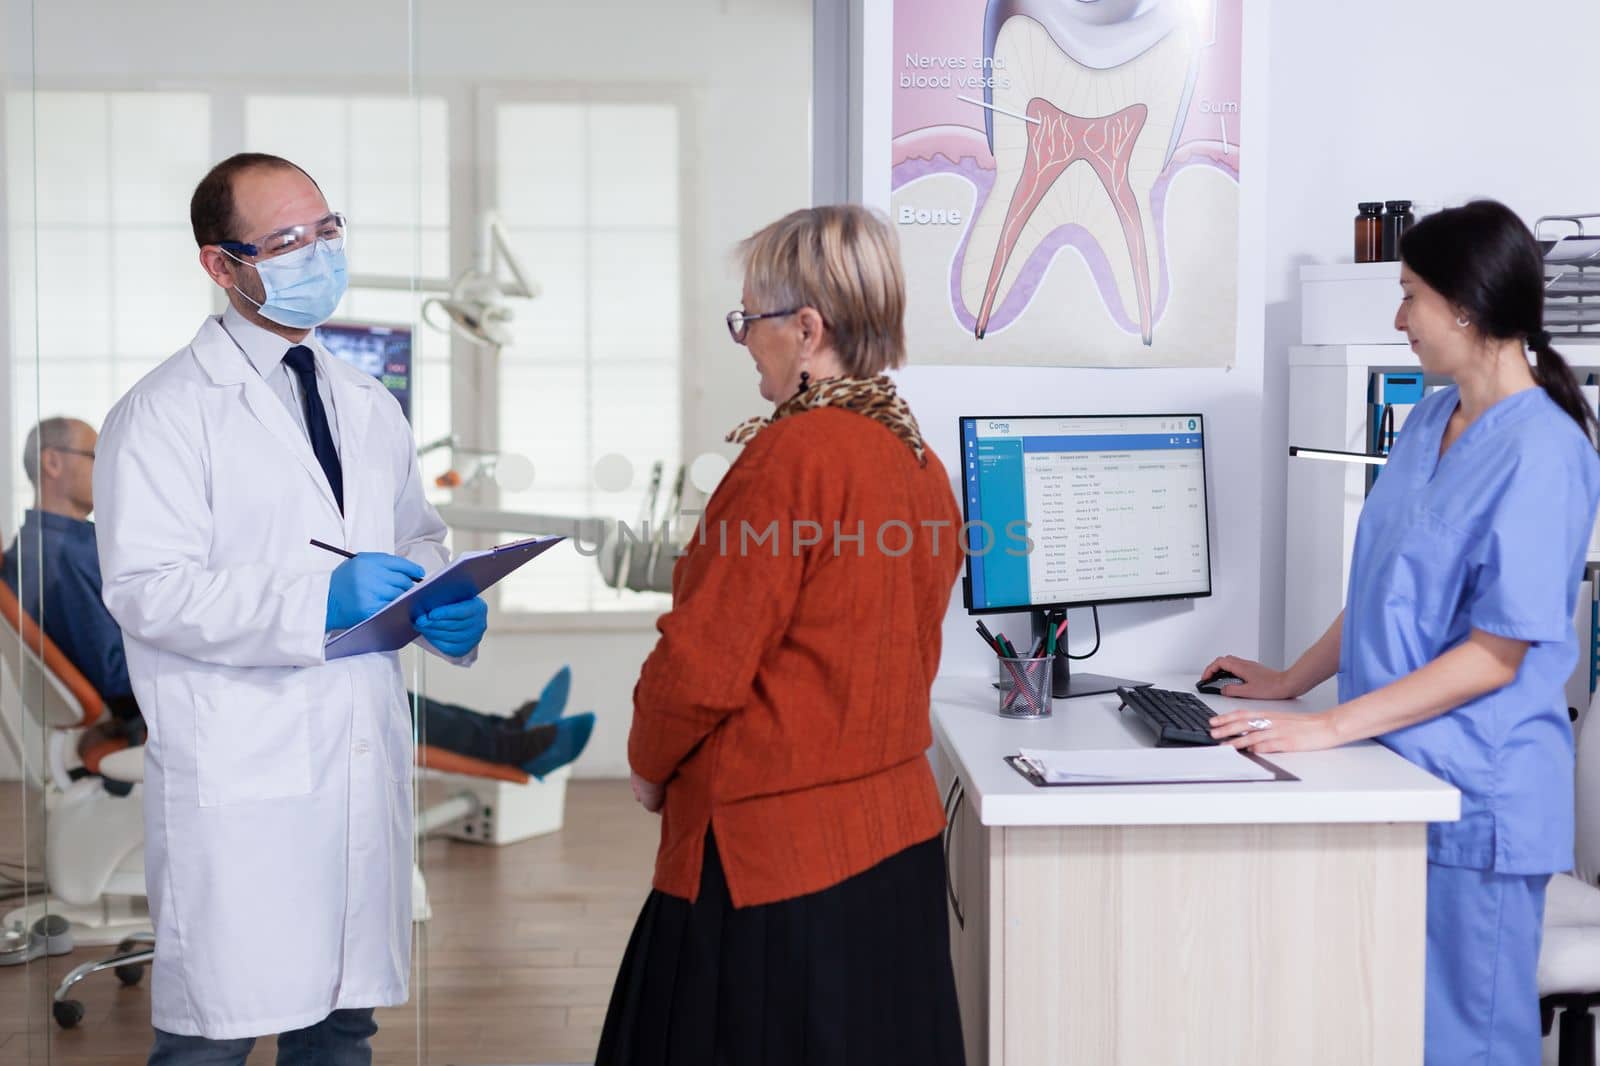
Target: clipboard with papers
468,575
1144,766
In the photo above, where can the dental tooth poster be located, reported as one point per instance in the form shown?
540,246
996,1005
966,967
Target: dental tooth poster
1065,180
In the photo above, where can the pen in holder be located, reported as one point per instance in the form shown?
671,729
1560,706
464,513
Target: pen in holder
1025,687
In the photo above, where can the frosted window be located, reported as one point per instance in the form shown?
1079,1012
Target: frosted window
590,191
161,144
311,131
72,153
637,301
629,414
117,287
385,151
536,420
74,292
555,326
158,292
77,388
542,169
633,160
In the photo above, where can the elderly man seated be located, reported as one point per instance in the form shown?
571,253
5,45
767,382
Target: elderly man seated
54,569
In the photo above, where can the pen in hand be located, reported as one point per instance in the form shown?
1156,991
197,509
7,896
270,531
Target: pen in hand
315,543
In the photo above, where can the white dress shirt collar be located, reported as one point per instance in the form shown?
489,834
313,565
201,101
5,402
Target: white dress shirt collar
264,348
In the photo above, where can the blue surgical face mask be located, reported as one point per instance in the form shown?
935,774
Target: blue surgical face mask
302,287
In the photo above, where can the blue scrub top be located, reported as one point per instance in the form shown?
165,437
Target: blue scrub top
1491,537
60,588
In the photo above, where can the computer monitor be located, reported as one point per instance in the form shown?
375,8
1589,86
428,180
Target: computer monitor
1078,510
379,349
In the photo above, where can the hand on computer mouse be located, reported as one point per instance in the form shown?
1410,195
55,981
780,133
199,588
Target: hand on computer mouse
1218,682
1251,680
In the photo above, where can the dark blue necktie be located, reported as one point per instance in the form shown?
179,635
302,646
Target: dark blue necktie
300,360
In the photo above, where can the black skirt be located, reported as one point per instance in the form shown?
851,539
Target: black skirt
855,975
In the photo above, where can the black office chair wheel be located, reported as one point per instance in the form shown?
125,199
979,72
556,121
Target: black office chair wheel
131,973
68,1012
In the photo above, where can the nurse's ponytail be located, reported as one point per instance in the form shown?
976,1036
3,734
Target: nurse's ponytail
1556,377
1482,258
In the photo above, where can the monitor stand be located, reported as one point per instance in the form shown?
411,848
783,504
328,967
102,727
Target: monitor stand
1064,683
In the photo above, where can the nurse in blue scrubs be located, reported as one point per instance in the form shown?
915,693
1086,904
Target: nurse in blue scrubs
1456,639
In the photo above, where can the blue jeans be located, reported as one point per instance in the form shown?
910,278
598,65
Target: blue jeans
340,1039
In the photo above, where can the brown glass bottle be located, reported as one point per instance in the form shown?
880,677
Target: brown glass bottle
1369,232
1397,218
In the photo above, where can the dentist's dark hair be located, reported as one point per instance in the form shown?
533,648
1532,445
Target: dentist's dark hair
1481,258
212,214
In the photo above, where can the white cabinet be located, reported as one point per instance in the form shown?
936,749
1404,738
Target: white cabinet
1327,409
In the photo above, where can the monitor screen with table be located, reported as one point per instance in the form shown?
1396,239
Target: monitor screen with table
1079,510
384,351
1115,508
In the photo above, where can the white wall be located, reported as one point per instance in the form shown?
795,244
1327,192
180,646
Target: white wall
1374,99
746,65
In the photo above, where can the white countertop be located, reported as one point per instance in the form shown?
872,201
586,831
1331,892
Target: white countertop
1363,782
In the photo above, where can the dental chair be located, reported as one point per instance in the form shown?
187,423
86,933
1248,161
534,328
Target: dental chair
94,840
1569,959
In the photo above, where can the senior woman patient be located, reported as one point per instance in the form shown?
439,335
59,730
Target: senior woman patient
780,724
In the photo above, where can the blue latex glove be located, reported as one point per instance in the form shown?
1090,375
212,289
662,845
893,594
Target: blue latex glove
455,628
360,587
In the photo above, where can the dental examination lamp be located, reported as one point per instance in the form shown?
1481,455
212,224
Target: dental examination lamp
474,304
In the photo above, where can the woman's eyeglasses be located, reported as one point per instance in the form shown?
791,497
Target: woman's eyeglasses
739,322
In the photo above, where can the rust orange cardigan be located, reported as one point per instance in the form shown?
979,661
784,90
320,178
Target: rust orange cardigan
786,703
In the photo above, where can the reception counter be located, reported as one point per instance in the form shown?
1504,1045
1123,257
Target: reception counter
1250,923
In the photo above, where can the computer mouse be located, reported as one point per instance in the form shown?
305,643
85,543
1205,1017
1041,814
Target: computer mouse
1213,685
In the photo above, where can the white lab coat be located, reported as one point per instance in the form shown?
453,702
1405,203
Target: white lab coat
278,786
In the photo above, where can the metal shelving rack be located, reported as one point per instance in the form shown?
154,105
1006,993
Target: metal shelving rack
1572,274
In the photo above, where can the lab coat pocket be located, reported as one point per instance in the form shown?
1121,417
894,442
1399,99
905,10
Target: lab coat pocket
253,737
387,684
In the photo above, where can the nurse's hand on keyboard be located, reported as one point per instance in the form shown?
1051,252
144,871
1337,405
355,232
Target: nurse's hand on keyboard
1266,732
1260,682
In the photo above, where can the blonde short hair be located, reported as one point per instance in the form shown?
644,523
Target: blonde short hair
843,261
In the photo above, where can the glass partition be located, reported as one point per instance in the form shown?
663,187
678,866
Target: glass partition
114,112
542,204
24,975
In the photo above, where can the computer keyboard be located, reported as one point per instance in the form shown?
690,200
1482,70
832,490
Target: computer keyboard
1175,717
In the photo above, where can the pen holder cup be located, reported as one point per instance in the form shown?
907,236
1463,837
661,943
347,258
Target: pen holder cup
1025,687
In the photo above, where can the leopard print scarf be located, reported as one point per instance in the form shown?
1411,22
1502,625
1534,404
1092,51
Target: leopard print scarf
874,397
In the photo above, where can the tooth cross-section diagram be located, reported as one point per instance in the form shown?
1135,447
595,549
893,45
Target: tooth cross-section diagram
1056,140
1064,179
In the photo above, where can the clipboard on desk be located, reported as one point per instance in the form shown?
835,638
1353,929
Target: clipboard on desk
1030,772
468,575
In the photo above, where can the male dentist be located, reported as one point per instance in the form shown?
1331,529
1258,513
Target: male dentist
278,786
